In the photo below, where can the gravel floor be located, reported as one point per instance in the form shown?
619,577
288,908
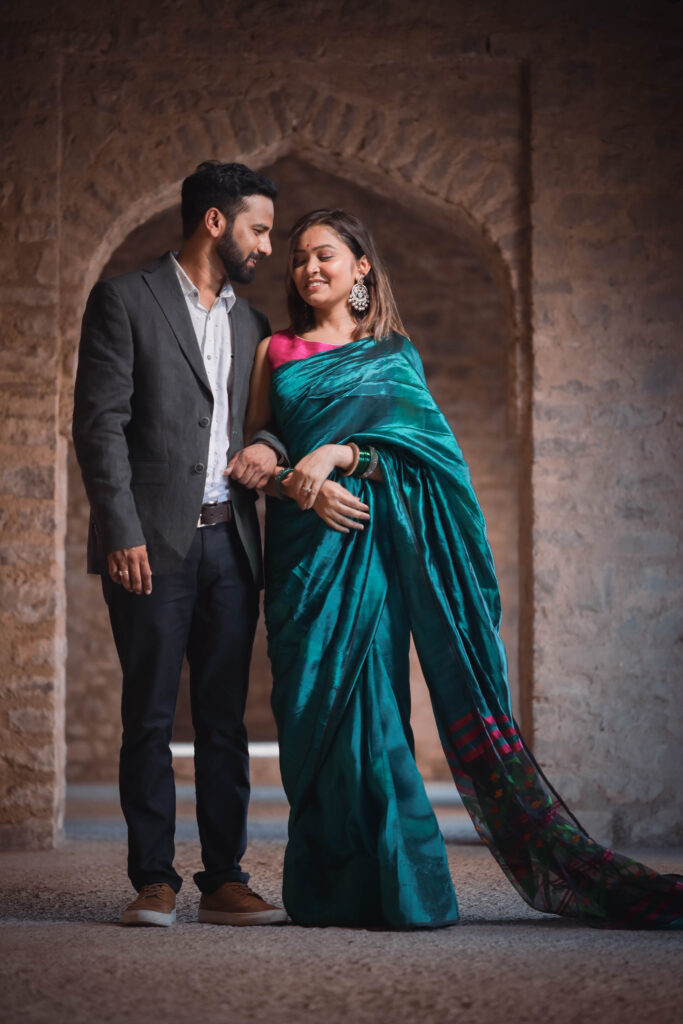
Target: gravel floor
64,957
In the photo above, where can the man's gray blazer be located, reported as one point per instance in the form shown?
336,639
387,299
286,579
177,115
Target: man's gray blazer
142,414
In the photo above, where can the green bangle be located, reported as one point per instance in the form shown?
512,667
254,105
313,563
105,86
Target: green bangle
278,482
372,465
363,462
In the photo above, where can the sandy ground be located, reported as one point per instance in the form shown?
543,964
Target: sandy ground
64,957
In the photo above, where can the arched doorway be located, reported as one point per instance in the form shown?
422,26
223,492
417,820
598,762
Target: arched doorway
456,314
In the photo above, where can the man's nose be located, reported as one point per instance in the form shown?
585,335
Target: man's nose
264,245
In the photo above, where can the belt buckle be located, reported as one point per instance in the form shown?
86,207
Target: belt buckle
200,524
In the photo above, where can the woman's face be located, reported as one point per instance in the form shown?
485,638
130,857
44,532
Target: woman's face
324,268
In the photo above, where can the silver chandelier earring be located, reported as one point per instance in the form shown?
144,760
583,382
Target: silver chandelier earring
359,299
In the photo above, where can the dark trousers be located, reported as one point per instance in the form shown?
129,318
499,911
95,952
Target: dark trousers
207,609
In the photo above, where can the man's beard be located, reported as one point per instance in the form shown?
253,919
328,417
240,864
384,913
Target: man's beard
236,264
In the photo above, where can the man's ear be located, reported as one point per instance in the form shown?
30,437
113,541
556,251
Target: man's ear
214,222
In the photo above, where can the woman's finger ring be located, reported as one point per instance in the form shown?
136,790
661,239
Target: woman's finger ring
308,490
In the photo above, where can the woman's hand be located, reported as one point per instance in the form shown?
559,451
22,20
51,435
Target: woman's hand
339,508
310,472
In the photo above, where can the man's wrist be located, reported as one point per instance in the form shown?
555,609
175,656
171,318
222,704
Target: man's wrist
280,458
264,444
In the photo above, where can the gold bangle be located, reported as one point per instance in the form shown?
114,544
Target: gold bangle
356,455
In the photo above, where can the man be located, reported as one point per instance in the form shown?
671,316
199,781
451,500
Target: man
161,391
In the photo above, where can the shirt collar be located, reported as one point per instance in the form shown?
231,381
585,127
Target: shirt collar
190,290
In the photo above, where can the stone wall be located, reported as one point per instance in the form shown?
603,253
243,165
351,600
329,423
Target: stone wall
607,480
31,474
550,133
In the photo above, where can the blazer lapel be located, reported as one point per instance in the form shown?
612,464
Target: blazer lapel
162,281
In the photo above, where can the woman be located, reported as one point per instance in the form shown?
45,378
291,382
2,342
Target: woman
352,568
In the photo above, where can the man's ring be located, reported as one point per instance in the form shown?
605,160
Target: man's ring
123,572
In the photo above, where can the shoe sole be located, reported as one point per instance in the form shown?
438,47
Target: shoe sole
258,917
154,917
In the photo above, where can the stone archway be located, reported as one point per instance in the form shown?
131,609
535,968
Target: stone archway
126,139
473,184
456,316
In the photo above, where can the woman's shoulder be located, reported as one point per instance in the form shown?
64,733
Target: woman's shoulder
276,338
398,341
404,346
279,347
401,343
283,337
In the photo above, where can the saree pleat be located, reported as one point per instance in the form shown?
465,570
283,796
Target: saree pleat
364,846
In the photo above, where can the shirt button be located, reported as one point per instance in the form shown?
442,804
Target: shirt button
204,421
209,356
199,467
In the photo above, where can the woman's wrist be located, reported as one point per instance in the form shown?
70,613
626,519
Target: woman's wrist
350,458
344,456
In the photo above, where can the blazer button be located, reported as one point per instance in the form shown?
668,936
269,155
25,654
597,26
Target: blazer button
204,421
199,467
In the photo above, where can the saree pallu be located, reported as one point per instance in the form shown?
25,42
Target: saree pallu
364,846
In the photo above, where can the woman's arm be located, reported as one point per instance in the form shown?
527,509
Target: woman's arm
258,407
313,469
309,473
252,465
335,505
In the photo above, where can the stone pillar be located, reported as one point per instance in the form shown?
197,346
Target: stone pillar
31,459
606,424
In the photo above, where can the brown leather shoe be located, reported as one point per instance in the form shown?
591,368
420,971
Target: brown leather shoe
236,903
154,904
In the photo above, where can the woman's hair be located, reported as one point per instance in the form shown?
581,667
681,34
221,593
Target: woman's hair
381,316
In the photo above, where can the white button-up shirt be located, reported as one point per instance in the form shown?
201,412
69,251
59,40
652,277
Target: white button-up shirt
212,328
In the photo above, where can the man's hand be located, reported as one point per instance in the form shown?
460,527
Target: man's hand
130,568
253,466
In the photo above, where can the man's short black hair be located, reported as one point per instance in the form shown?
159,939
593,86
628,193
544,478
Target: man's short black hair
224,186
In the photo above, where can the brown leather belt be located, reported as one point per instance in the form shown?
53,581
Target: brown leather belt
214,513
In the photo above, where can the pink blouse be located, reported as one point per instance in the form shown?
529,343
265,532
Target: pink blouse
286,346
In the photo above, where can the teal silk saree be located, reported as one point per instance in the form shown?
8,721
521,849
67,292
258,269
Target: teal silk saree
364,846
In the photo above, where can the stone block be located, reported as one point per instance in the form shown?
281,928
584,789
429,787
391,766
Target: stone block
562,448
26,686
623,415
578,209
29,432
31,720
28,481
30,602
33,654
